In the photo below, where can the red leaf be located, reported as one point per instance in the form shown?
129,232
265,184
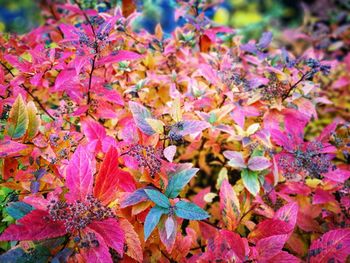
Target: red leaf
111,232
110,178
34,226
284,257
99,253
132,241
321,197
288,214
333,246
79,174
270,227
270,246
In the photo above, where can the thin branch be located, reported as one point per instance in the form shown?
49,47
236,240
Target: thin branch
211,224
95,47
285,96
167,257
29,93
86,17
90,78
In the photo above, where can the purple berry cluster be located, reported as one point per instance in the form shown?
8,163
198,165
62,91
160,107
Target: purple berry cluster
147,157
79,214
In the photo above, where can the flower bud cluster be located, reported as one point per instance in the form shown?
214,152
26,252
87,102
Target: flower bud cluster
147,157
310,161
88,241
79,214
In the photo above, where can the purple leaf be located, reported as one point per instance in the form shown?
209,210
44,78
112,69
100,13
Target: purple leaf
265,40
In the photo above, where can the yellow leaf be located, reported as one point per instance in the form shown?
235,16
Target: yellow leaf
208,198
223,174
313,182
34,120
176,110
156,125
252,129
17,123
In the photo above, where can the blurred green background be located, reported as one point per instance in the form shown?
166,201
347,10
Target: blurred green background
250,16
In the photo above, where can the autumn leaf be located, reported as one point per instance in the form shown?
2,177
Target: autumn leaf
18,121
34,226
9,148
111,232
178,181
152,219
132,240
110,178
140,114
33,120
229,205
333,245
79,174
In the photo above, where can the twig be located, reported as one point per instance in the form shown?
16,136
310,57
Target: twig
211,224
95,47
167,257
29,93
285,96
86,17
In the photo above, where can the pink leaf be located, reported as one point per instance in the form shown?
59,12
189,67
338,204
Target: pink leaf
284,257
235,159
118,56
93,130
338,175
10,148
98,253
169,226
191,127
270,227
65,80
168,239
111,233
321,197
288,213
34,226
333,246
258,163
270,246
79,174
169,152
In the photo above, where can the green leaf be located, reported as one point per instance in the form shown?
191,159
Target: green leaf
17,123
178,181
158,198
39,254
18,209
251,181
152,219
190,211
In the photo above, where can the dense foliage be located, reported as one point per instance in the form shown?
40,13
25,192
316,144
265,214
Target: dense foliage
129,146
